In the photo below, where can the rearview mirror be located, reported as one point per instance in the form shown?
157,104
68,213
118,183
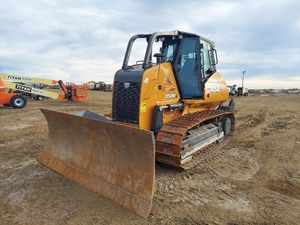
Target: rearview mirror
213,56
158,57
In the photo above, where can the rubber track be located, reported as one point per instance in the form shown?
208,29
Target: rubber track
169,138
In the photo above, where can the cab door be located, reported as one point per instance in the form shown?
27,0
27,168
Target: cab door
188,69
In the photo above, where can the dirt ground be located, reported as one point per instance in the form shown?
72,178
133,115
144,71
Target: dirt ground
255,179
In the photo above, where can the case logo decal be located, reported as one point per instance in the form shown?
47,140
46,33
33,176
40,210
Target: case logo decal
126,85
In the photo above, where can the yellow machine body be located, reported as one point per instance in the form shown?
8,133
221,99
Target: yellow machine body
159,87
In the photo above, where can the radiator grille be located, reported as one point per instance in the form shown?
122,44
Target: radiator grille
126,102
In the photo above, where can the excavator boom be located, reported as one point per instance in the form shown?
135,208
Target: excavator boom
106,161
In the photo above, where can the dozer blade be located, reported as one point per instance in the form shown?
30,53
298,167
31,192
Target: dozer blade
116,161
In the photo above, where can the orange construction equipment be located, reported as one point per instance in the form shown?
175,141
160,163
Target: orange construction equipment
171,108
24,84
11,99
73,91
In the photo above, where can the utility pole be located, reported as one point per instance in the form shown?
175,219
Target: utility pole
243,72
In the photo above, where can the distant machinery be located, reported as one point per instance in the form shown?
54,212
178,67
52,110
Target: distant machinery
98,86
13,89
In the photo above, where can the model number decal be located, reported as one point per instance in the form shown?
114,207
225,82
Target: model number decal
170,95
213,88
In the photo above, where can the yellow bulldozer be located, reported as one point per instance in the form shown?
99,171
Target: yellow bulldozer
166,107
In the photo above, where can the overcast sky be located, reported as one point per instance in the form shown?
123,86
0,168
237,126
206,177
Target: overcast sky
79,41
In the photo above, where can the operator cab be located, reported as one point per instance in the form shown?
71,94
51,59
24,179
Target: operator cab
193,58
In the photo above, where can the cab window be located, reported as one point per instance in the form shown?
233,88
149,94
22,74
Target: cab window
187,68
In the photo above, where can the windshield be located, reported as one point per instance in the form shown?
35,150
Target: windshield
167,45
169,49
